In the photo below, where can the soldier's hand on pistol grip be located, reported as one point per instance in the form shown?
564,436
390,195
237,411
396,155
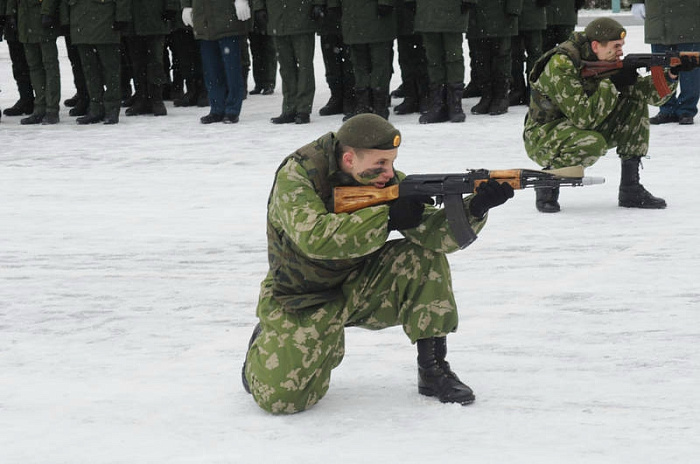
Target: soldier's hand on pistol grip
488,195
624,77
407,212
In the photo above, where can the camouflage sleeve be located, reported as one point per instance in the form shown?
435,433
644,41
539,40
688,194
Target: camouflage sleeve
645,89
561,82
434,232
296,209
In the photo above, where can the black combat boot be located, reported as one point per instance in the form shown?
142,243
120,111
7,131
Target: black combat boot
362,103
410,103
81,106
72,101
335,103
518,91
454,102
34,118
485,102
632,193
380,102
141,106
189,98
256,334
437,109
435,378
471,90
21,107
90,118
499,101
546,200
112,116
155,95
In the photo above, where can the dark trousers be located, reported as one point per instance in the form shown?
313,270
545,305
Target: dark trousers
445,57
372,64
146,54
262,49
295,54
221,63
686,103
77,69
42,59
20,70
101,66
336,59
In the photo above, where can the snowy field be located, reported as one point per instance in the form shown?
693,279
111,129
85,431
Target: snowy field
130,259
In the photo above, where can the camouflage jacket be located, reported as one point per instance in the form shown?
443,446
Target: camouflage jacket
311,250
559,92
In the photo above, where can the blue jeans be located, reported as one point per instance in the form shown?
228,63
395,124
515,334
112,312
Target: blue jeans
686,104
221,64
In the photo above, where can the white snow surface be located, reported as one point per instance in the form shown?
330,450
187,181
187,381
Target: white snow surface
130,262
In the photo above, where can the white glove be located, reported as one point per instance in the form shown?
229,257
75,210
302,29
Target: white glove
187,16
242,10
639,11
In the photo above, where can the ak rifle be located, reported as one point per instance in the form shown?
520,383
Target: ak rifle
656,62
449,189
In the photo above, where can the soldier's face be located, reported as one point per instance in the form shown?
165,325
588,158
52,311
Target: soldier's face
611,51
370,167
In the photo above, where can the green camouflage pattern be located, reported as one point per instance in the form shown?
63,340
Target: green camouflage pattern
575,121
330,271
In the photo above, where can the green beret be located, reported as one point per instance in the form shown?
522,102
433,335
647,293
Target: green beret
369,131
604,30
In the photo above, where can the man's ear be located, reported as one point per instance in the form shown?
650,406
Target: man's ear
595,46
348,159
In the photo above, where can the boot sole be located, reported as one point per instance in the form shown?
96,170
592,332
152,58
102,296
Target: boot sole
431,393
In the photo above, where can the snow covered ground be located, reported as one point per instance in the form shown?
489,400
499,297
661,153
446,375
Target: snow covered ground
130,258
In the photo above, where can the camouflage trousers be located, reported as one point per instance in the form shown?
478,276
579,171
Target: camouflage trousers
560,143
289,365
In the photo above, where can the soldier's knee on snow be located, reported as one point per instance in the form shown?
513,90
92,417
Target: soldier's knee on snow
277,400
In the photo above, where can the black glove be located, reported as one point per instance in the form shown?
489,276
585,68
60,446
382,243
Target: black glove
318,12
624,77
384,10
488,195
688,63
47,22
406,212
465,7
120,25
260,18
168,16
542,2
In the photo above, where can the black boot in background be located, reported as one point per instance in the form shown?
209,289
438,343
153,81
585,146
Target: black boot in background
485,102
437,109
410,103
335,103
362,103
546,200
435,378
455,113
499,100
380,102
155,94
632,193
